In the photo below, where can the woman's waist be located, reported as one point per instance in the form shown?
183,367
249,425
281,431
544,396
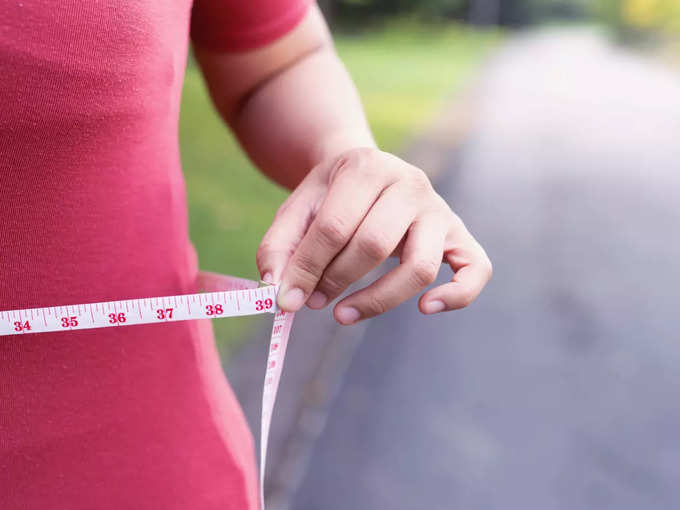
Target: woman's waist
90,265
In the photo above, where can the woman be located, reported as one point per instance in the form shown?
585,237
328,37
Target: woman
94,210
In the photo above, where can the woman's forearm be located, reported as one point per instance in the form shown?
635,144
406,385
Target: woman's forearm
291,105
308,113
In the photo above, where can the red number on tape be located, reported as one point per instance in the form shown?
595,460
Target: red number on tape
69,322
214,310
116,318
263,305
163,314
22,326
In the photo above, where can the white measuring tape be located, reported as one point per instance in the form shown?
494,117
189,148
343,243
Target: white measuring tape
223,296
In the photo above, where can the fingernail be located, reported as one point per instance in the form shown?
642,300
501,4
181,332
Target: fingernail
347,315
268,277
291,300
434,306
317,300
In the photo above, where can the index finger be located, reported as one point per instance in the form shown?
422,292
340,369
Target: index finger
351,195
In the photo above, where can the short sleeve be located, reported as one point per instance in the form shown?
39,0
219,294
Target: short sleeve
237,25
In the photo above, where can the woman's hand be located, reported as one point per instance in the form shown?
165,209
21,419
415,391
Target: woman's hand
351,213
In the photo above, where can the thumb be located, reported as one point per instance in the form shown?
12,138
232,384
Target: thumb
287,230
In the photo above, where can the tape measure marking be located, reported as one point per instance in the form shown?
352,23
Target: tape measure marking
227,296
212,305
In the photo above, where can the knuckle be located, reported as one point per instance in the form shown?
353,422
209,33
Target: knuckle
373,246
332,284
374,305
443,209
458,223
283,208
267,249
482,261
263,252
306,268
466,298
424,272
355,159
419,184
360,156
488,268
333,231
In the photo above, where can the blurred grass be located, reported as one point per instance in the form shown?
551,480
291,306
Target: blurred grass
403,71
406,71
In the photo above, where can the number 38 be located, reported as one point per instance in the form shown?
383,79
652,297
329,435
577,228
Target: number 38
214,310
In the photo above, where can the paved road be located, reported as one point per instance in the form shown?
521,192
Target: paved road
560,388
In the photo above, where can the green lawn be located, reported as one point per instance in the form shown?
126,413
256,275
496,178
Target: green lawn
403,73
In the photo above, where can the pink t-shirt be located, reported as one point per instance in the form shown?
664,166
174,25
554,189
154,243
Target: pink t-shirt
93,209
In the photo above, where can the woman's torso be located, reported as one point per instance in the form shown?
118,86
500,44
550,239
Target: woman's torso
94,209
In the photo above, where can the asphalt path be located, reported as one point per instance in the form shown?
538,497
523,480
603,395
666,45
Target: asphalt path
559,388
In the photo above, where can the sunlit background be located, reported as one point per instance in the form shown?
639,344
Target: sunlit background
553,128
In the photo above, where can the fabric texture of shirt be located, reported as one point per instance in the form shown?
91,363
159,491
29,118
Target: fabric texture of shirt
94,209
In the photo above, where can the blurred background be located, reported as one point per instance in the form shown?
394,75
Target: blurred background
552,128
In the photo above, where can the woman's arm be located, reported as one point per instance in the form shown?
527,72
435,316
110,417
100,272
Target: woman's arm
297,114
291,104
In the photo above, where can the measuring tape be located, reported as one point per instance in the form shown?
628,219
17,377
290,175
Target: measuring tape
222,296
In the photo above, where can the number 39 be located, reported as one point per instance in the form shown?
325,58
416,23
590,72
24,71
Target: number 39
263,305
